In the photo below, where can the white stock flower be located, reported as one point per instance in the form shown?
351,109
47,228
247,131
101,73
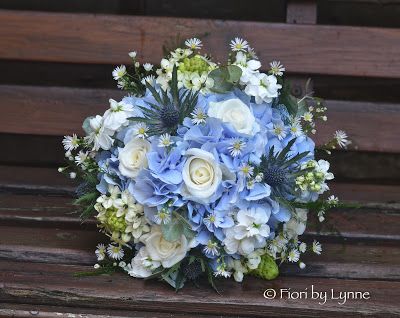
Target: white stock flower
163,251
250,232
236,113
249,68
117,115
297,223
263,87
132,158
201,175
100,135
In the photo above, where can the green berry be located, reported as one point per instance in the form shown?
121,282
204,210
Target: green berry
267,269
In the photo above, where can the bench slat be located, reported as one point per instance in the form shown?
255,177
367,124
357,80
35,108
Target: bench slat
39,180
60,111
55,285
58,212
87,38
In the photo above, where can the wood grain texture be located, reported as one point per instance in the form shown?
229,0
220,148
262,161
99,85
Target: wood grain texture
42,180
301,12
57,212
60,111
54,284
86,38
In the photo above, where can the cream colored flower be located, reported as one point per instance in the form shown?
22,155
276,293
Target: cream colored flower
201,175
163,251
236,113
132,158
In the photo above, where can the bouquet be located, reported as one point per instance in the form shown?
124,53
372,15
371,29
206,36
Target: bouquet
203,170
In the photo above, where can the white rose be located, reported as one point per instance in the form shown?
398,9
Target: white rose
235,112
141,266
132,158
201,175
163,251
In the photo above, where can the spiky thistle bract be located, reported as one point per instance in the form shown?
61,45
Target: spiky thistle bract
170,108
280,170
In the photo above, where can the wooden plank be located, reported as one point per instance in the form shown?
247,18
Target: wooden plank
39,180
47,311
356,119
86,38
60,111
58,212
301,12
54,284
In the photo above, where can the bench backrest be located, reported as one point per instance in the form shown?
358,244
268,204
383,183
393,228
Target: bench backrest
305,48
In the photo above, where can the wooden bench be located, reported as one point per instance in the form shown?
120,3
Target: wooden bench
43,243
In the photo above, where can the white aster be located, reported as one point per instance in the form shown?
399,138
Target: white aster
148,79
148,66
198,116
165,141
302,265
332,200
115,251
279,131
81,157
293,256
302,247
236,147
295,128
246,170
342,139
140,130
132,54
211,248
162,217
308,116
222,272
239,44
277,68
119,72
193,43
316,247
70,142
100,252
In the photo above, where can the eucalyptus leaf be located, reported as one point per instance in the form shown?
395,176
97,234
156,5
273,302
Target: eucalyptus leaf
287,99
225,77
235,72
86,125
173,230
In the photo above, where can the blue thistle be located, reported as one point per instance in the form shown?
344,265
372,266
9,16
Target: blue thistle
278,171
170,110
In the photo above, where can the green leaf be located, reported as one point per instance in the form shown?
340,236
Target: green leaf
287,99
225,77
235,72
173,230
86,125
